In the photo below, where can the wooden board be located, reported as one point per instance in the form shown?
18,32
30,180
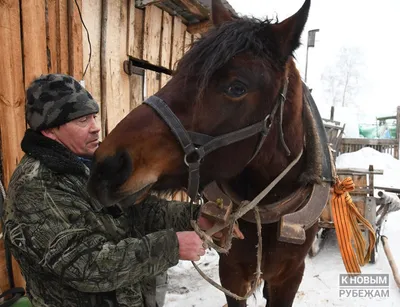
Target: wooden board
136,90
12,104
178,30
152,82
166,40
152,35
138,34
164,79
115,82
91,10
131,29
188,42
51,36
75,39
34,39
62,36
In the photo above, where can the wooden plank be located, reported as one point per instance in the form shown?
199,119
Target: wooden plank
152,82
194,7
352,141
138,34
166,40
75,39
152,35
136,90
200,27
115,82
188,42
91,13
12,104
34,39
196,37
62,36
51,36
131,29
178,29
164,79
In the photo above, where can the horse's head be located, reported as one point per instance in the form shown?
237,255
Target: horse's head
231,78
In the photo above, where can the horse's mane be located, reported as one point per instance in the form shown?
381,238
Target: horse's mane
221,44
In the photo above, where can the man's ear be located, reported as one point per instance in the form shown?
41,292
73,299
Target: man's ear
50,133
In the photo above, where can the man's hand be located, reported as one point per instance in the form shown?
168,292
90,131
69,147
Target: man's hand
190,246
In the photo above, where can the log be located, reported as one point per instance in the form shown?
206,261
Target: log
392,264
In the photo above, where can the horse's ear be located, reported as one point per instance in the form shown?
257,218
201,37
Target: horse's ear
288,32
220,13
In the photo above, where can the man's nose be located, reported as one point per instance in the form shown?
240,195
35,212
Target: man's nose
95,126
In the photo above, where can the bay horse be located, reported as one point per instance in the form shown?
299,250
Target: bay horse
236,104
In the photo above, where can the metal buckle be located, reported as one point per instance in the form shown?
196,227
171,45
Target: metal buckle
267,125
196,151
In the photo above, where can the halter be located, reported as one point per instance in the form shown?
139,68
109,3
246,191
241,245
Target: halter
197,145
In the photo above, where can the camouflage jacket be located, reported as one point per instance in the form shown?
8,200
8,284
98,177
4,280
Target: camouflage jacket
74,252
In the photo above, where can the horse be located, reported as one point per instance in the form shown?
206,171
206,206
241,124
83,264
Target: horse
235,112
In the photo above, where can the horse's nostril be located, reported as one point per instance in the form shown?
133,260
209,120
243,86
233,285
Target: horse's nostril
114,170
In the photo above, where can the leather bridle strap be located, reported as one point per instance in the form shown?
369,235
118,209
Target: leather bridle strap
197,145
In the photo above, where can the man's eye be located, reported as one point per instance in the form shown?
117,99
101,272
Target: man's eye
83,119
236,89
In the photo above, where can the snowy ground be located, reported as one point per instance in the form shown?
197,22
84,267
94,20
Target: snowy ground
320,285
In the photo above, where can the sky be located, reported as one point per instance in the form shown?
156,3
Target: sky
371,26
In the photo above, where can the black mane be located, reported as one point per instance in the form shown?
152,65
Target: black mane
222,43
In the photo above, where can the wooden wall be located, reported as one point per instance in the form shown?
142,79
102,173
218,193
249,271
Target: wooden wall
33,42
46,36
119,31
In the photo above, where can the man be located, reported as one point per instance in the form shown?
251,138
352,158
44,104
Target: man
72,251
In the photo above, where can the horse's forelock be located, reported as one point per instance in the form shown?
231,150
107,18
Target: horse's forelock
211,52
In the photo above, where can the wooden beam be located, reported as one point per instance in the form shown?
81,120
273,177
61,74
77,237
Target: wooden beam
143,3
200,27
75,39
194,7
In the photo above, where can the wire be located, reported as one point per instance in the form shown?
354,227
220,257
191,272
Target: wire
88,37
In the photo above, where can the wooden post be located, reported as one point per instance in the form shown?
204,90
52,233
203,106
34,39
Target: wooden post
397,146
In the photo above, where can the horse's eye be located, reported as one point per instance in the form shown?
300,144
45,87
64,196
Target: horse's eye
236,89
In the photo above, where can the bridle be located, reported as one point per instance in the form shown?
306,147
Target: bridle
197,145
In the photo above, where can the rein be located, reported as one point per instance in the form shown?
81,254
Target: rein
197,145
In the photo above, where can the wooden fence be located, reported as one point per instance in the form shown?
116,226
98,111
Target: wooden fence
390,146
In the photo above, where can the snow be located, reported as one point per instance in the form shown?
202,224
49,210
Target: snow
320,285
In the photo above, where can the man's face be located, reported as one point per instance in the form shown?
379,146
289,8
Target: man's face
80,135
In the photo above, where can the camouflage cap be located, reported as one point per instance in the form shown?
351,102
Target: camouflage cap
55,99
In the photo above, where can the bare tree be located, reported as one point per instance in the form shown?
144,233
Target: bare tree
342,81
